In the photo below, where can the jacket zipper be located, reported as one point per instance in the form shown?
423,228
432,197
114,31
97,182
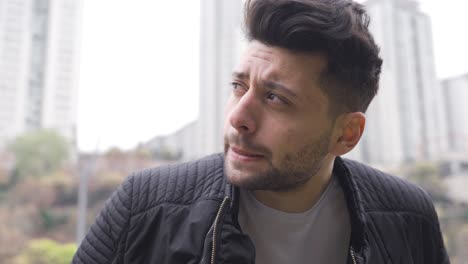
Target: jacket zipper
215,227
351,251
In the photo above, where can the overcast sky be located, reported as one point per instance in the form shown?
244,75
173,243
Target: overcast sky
140,64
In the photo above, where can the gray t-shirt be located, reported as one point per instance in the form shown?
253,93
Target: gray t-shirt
319,235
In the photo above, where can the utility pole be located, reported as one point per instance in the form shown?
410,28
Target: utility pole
88,167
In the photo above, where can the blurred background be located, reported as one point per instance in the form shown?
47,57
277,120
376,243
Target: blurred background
90,91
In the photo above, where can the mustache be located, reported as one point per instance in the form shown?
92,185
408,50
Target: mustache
245,143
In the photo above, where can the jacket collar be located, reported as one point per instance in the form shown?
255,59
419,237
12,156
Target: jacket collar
353,197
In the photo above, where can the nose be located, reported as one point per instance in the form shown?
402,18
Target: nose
242,116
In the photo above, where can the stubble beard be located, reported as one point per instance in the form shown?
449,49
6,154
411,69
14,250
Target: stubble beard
292,172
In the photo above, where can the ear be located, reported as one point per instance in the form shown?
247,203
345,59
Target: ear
347,132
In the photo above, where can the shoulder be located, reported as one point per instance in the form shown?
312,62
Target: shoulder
183,183
383,192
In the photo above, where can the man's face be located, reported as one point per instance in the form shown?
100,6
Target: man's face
277,127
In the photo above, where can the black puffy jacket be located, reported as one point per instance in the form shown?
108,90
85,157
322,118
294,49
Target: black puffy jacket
187,213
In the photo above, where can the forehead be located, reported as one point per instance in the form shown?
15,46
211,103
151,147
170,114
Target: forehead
278,63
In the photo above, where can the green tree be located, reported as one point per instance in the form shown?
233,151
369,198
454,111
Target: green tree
45,251
38,153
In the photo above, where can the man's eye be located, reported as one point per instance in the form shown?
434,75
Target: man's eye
275,98
237,88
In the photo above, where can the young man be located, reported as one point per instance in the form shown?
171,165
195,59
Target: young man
280,193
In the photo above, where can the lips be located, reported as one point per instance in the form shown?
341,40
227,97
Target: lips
244,155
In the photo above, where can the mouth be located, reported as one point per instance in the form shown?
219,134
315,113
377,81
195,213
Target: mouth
244,155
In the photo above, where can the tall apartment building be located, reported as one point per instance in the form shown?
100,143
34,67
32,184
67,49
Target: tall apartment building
455,92
39,48
405,121
221,43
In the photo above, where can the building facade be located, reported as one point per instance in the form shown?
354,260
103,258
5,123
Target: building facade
405,121
455,91
180,145
221,43
39,51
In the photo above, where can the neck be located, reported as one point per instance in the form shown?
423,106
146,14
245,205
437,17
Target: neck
303,198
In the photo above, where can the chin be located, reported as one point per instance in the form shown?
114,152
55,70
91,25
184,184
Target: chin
233,175
237,177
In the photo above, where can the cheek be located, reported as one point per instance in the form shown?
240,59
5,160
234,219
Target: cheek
291,135
284,142
291,141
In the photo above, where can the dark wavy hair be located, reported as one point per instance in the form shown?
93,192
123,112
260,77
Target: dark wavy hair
338,28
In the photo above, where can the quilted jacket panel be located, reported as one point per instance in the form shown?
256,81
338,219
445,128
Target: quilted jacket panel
168,215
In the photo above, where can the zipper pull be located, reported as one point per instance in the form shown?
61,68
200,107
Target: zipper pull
353,257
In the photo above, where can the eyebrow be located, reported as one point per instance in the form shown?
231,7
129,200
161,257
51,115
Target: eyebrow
268,84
